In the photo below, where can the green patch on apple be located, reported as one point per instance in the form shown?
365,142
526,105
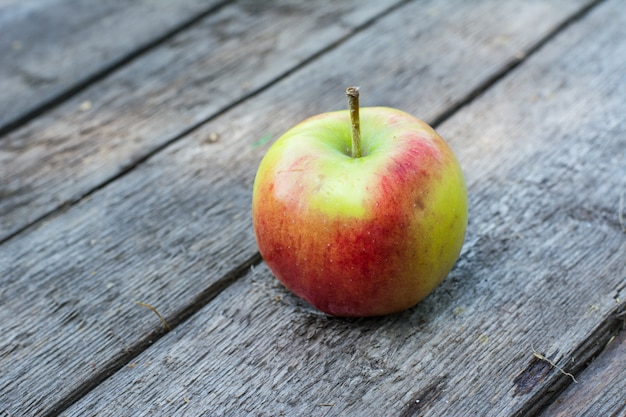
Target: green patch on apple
360,212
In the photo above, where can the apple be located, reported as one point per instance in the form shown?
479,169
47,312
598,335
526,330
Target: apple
360,212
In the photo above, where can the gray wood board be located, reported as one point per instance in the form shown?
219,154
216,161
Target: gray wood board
106,130
169,234
177,229
49,47
602,387
542,271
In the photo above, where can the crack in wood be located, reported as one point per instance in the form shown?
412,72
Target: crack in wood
531,376
585,353
421,401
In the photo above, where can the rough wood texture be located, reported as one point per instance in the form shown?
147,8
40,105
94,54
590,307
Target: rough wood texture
544,153
107,129
58,158
49,47
177,229
602,387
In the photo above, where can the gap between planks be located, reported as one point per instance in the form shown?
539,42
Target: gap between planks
514,63
592,348
203,299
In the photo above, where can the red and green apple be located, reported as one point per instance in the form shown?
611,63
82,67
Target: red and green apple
360,212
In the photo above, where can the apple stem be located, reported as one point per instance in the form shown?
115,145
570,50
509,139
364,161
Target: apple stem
353,105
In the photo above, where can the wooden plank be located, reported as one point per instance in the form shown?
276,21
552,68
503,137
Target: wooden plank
541,271
50,47
177,229
601,390
107,129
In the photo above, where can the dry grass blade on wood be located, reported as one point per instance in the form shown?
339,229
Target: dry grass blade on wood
148,306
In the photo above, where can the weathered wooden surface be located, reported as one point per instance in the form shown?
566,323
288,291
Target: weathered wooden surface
59,158
176,230
105,130
542,271
110,127
601,390
50,47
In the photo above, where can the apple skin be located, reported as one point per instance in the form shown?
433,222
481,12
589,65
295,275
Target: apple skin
364,236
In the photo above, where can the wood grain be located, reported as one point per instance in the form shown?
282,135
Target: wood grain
107,129
58,159
48,48
544,156
174,231
177,229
